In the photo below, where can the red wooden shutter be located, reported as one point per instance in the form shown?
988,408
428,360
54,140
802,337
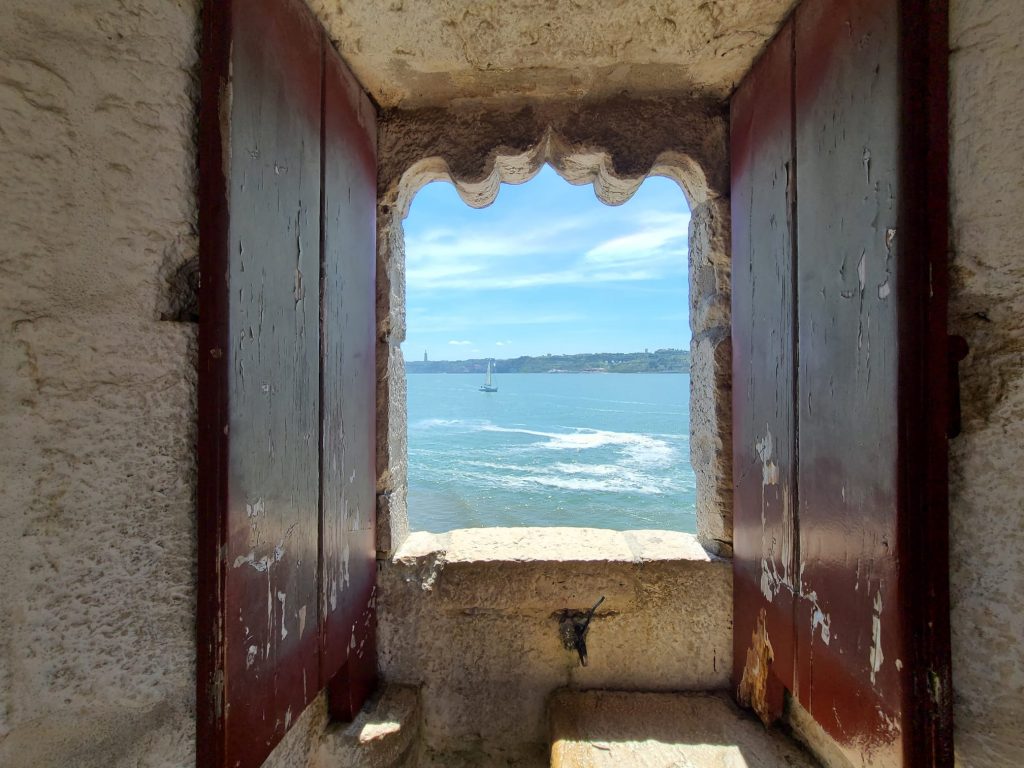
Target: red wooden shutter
839,307
349,387
764,422
286,478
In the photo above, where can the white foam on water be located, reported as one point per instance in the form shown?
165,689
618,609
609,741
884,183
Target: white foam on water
641,449
623,477
517,462
601,478
595,470
462,425
500,467
673,414
620,484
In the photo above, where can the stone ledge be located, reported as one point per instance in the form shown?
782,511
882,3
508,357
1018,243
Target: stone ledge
604,729
385,734
553,545
472,617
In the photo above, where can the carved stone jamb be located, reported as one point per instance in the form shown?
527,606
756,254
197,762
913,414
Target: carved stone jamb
614,145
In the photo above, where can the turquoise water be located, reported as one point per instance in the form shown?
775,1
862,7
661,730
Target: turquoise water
596,450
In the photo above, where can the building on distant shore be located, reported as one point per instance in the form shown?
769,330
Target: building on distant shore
424,356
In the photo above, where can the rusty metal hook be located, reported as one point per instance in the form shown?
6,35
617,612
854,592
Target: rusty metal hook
575,628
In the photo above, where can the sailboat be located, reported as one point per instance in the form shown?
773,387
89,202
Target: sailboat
488,385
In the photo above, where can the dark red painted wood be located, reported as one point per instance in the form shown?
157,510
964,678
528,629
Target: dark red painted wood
870,619
259,653
349,381
850,282
356,680
928,399
286,146
763,181
212,448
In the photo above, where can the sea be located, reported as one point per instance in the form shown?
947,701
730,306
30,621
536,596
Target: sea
550,449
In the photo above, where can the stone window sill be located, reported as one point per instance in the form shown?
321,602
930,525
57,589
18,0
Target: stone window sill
472,617
554,545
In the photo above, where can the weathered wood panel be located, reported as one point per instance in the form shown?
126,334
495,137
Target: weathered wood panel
869,624
763,302
262,360
928,389
287,476
847,125
349,387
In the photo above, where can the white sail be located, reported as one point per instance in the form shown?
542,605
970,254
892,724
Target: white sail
488,385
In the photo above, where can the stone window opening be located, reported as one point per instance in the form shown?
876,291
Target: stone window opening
614,183
503,282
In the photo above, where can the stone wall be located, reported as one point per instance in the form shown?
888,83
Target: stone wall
97,369
97,379
97,411
472,618
614,145
97,386
987,308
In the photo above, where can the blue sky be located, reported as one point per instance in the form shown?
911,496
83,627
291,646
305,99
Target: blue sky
547,268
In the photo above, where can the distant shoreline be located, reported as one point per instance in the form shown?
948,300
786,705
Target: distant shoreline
568,373
659,361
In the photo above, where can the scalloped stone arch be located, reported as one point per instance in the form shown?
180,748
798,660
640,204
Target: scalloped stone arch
574,164
615,147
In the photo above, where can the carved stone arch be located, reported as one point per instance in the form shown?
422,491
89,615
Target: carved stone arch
615,146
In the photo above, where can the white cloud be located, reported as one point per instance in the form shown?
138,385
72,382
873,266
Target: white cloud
426,322
660,238
448,246
440,273
548,250
457,343
574,276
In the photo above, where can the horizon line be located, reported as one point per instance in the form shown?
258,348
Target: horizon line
546,354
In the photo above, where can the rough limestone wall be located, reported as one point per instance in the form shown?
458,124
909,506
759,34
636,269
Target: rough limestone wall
471,618
97,392
614,145
987,308
414,54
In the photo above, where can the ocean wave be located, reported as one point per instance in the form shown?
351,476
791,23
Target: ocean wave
593,470
473,425
500,467
618,484
640,449
674,414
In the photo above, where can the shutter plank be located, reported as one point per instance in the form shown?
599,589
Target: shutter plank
763,303
258,460
349,387
849,283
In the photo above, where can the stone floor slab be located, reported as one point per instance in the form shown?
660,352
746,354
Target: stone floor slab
603,729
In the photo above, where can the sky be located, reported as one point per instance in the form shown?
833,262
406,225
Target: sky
546,268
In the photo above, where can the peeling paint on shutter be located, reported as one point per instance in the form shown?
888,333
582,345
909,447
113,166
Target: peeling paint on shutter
840,394
349,387
282,480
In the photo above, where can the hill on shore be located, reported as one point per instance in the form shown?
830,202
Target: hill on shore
659,361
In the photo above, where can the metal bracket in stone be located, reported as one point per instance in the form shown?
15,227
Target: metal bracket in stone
573,626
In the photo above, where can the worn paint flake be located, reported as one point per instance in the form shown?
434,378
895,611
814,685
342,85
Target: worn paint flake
282,597
821,619
753,688
876,657
764,448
